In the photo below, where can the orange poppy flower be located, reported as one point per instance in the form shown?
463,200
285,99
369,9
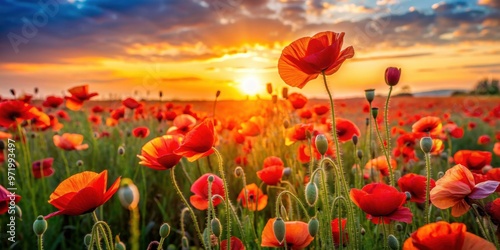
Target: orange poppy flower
415,184
428,125
380,163
381,203
199,141
272,170
298,133
496,149
158,154
345,129
256,199
234,244
474,160
140,132
52,102
15,111
131,103
296,235
455,186
305,58
182,124
336,232
297,100
249,128
443,235
200,189
6,198
69,142
82,193
42,168
79,94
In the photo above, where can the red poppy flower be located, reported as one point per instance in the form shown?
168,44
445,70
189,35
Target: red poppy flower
483,140
297,100
200,189
496,149
199,141
454,130
321,109
272,170
140,132
474,160
79,94
443,235
296,235
97,109
95,120
26,98
428,125
336,232
15,111
305,114
131,103
471,125
392,76
493,210
42,168
63,115
5,198
69,142
52,102
82,193
406,140
455,186
182,124
415,184
345,129
158,154
118,113
381,203
305,58
256,199
234,244
298,133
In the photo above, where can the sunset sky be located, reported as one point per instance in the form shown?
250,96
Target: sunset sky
189,49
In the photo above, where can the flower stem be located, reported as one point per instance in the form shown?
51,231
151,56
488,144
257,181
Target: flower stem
387,136
40,242
226,194
387,156
427,188
191,212
334,123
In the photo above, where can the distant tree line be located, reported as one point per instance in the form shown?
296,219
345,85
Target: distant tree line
483,87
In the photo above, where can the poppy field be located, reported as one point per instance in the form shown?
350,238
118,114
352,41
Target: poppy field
284,171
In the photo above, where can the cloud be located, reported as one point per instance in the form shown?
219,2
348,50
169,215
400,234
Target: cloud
490,3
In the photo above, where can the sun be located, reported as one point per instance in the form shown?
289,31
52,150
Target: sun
250,85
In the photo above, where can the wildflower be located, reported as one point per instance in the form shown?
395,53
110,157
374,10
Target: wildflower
296,235
256,199
297,100
415,184
5,200
69,142
140,132
158,154
198,142
200,189
42,168
272,170
474,160
79,94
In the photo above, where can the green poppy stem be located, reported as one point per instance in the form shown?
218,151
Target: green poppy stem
388,138
226,198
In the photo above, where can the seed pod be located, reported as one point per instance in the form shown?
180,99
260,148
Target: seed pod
164,230
40,225
210,178
217,94
426,144
408,195
321,144
287,171
313,226
393,242
374,113
129,195
216,227
279,230
370,95
311,193
360,154
355,140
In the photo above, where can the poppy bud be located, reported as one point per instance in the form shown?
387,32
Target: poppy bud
210,178
275,99
311,191
121,150
279,230
164,230
313,226
355,140
238,171
374,113
399,227
87,239
321,144
120,246
128,195
161,94
440,174
360,154
439,218
362,231
216,227
40,225
36,90
286,124
426,144
13,92
217,94
269,88
287,171
367,121
79,163
284,93
393,242
370,95
392,76
19,211
408,195
185,242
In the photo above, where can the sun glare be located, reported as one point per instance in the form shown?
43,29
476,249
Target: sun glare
250,85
